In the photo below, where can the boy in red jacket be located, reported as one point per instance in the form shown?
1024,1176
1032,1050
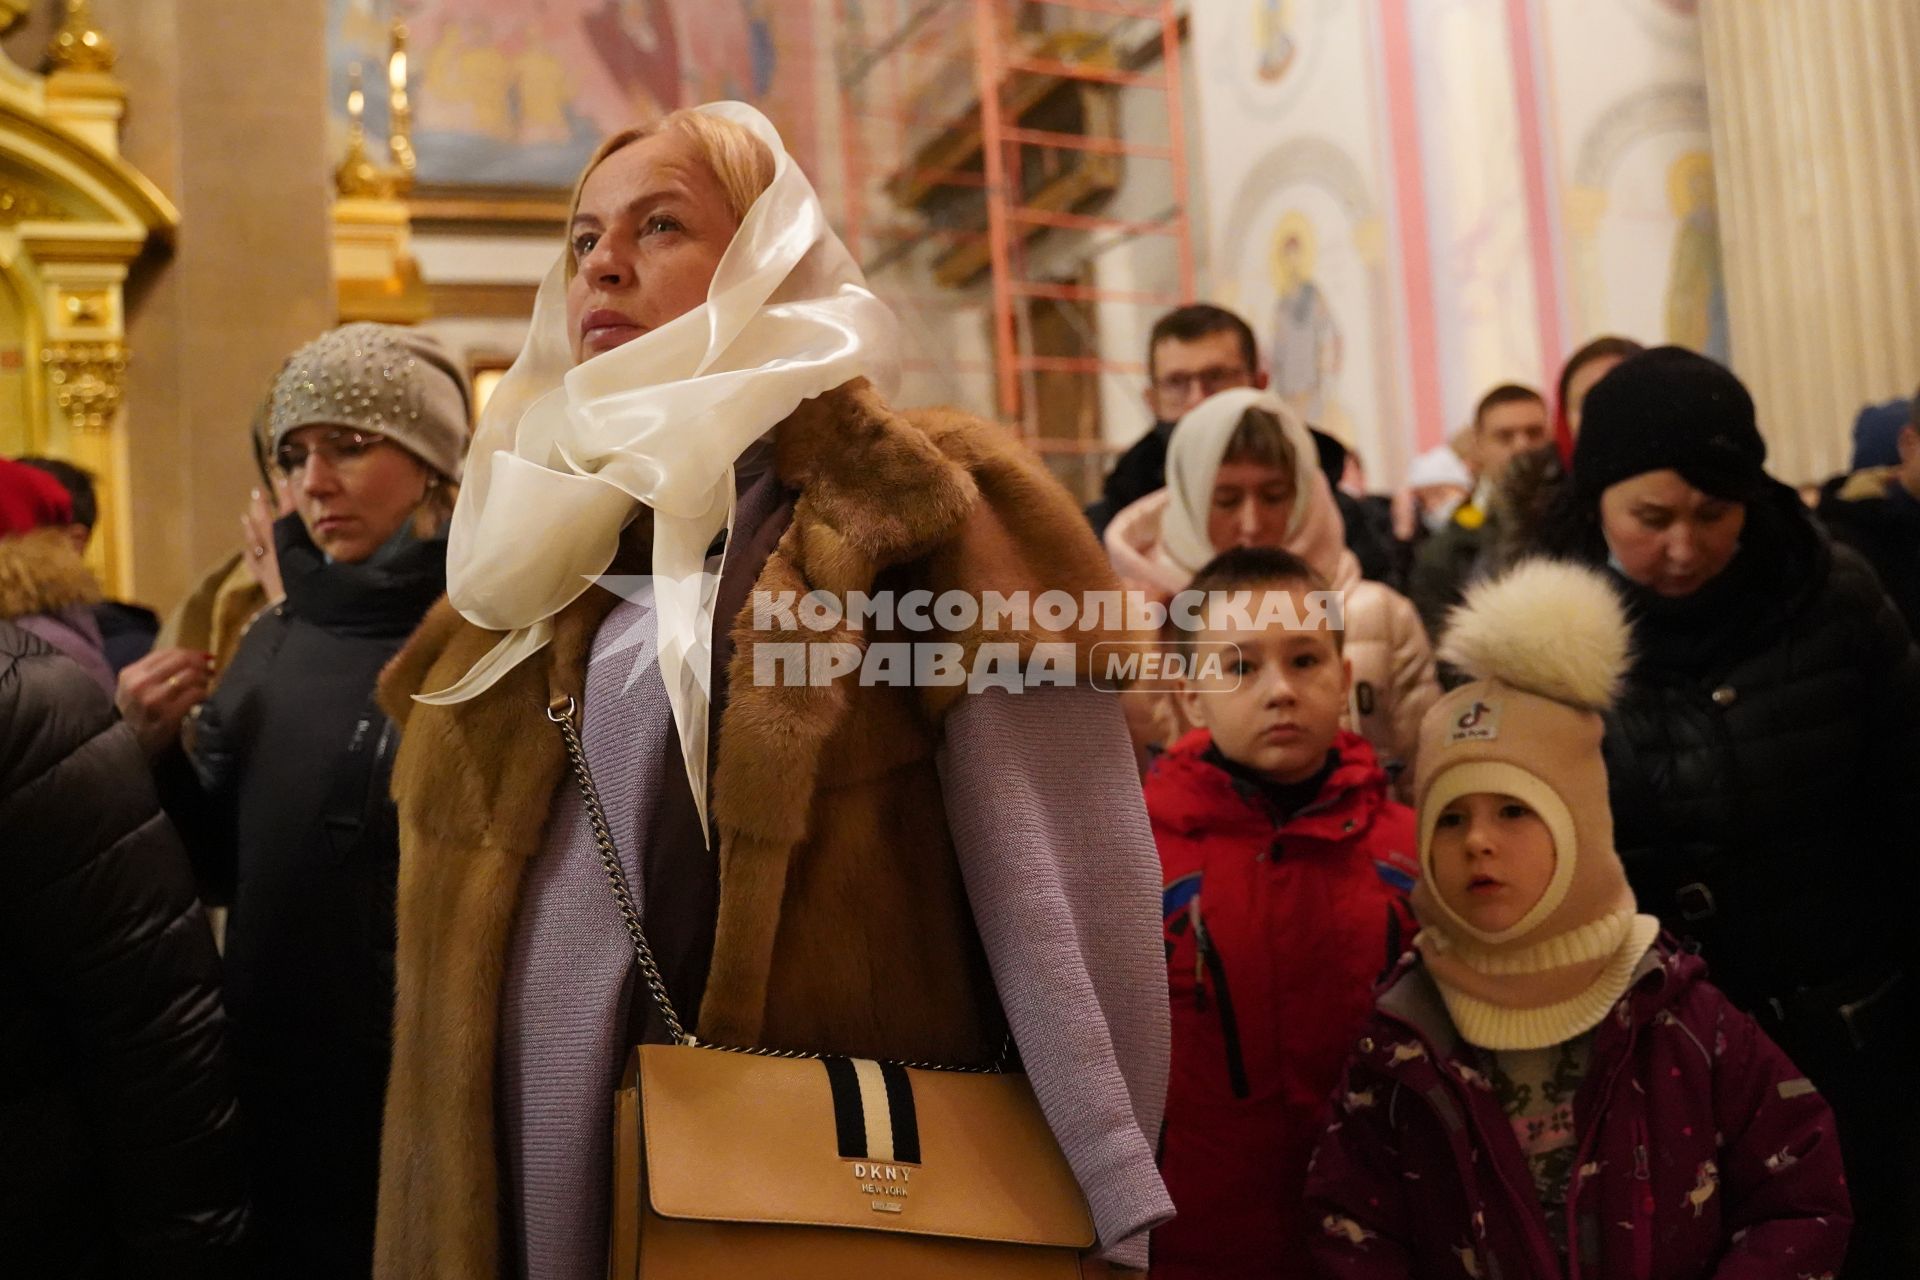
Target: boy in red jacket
1285,862
1548,1092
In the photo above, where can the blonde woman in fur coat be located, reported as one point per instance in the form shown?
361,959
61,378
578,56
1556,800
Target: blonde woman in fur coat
853,868
1241,471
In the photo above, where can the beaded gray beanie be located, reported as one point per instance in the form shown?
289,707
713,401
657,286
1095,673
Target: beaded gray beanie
382,379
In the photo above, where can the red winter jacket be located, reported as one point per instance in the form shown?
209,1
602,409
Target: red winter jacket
1704,1153
1275,937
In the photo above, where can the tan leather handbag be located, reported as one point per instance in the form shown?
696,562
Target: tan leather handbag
747,1162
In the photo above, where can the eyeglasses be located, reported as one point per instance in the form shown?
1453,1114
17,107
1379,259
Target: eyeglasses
1208,381
340,448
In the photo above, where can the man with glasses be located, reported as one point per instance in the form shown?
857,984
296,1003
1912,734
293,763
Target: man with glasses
1193,352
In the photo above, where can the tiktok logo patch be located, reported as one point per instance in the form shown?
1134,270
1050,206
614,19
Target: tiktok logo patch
1480,722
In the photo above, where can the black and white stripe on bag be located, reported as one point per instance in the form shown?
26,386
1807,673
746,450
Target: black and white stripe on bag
873,1113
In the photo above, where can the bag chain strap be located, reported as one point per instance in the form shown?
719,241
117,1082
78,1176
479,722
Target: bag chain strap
561,711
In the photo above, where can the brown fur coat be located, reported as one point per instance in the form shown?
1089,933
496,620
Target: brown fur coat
41,573
822,798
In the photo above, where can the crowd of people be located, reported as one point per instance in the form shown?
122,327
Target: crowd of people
1537,912
1752,750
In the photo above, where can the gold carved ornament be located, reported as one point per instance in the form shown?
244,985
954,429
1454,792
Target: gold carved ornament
19,204
400,113
88,380
79,45
358,175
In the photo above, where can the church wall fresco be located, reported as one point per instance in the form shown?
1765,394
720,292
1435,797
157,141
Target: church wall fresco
1416,199
510,99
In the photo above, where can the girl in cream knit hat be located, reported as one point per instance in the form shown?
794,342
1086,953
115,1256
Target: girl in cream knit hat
1548,1089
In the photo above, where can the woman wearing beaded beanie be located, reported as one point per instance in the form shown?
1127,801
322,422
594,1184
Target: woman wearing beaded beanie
292,824
855,865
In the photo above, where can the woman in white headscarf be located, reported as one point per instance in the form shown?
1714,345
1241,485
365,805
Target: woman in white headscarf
847,867
1242,472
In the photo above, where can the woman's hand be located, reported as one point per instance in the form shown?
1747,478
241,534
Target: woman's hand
156,693
256,524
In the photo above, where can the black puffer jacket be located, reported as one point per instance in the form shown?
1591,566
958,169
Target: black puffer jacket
1764,758
119,1143
1872,513
293,752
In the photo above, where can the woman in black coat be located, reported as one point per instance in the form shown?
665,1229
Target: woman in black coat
119,1140
295,826
1765,753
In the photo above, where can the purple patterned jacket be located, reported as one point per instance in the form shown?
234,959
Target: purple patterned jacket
1704,1154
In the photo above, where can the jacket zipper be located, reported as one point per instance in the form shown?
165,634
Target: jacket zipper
1396,943
1229,1025
1603,1100
1642,1203
1532,1219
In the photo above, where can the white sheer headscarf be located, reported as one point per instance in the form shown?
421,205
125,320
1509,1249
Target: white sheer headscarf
566,455
1194,453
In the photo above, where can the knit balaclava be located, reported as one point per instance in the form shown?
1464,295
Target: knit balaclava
1546,645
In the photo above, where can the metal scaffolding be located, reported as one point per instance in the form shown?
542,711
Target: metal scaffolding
983,148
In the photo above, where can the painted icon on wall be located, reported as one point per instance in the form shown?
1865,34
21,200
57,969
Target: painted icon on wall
1696,283
1305,356
508,93
511,98
1275,37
